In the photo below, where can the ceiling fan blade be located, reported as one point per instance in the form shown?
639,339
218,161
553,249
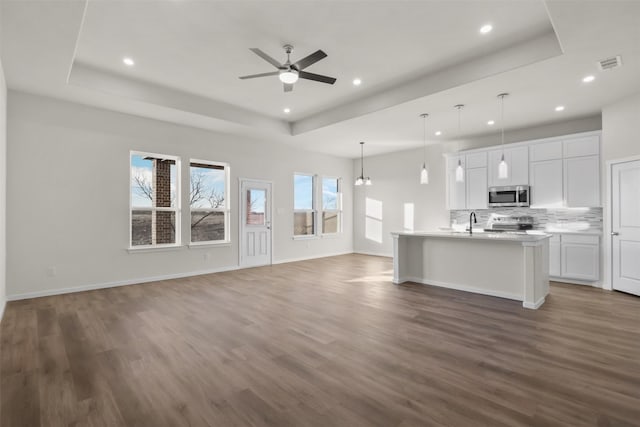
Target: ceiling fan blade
266,57
316,77
310,60
288,87
253,76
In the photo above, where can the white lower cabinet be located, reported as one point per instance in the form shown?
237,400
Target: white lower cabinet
575,256
554,256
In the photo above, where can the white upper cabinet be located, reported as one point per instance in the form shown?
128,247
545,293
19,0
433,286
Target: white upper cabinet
562,172
517,159
582,181
545,151
565,173
476,181
546,184
582,146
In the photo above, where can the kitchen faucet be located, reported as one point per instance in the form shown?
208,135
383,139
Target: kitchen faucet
472,215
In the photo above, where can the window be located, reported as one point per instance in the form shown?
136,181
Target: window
303,205
154,200
209,201
331,205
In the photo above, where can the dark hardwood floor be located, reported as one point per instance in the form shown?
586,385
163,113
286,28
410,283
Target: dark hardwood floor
328,342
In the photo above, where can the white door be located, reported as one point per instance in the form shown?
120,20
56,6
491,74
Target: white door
625,226
255,223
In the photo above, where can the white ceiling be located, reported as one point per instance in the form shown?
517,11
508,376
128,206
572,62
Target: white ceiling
413,57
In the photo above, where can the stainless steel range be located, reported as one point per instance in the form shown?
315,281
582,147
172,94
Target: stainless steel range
499,222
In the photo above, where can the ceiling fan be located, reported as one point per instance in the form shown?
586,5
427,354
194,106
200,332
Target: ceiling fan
289,73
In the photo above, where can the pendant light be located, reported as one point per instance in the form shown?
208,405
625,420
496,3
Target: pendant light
503,168
459,169
362,180
424,173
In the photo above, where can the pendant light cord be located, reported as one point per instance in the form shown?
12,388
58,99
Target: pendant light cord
424,139
362,160
502,120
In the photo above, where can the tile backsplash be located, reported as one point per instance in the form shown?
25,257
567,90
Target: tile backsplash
589,217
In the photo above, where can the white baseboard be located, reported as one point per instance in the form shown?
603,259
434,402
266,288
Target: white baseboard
3,304
306,258
536,305
382,254
104,285
460,287
575,282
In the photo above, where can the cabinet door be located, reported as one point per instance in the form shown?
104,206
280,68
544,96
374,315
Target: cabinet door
554,259
546,184
456,194
518,162
582,181
545,151
519,166
477,192
580,261
582,146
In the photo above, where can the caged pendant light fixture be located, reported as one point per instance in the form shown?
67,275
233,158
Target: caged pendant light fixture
362,180
459,169
424,173
503,168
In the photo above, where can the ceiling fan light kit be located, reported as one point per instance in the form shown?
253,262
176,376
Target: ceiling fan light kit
288,72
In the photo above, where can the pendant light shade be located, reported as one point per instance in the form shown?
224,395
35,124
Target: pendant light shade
459,172
459,169
362,180
424,173
503,168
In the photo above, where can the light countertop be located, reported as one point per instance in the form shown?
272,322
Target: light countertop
509,237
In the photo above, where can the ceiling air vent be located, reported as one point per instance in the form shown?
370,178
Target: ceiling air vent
610,63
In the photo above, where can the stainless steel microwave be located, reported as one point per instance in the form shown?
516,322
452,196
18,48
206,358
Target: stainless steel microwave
515,195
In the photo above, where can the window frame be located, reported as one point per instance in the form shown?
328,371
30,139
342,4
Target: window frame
227,205
176,208
313,210
337,211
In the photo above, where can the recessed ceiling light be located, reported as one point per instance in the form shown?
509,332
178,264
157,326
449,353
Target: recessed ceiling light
560,108
491,123
287,110
357,82
486,28
438,133
588,79
128,61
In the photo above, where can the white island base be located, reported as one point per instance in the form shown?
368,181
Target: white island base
501,265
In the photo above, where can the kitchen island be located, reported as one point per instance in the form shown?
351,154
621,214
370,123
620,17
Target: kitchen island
513,266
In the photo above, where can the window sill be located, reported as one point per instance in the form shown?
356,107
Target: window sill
145,249
331,236
204,245
305,237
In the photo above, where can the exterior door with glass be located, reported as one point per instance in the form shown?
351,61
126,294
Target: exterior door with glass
255,223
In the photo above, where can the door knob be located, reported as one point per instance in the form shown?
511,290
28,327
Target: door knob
615,233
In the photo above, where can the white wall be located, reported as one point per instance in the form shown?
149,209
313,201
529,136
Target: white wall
3,189
380,208
620,140
68,198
